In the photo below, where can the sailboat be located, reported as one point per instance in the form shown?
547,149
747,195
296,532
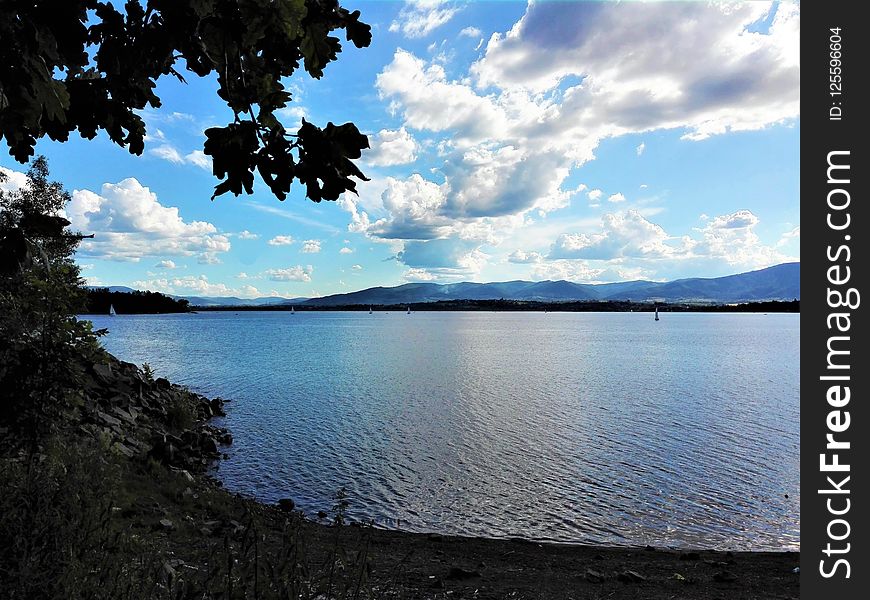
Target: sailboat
409,310
112,312
370,310
657,313
292,310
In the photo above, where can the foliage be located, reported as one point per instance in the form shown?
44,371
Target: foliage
83,65
128,303
41,342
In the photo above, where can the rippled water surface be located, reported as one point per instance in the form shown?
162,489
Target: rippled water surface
580,427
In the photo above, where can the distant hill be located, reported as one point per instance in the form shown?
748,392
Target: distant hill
233,301
133,302
780,282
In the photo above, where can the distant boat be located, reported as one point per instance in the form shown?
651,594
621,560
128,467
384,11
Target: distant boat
292,310
112,312
409,310
370,310
657,313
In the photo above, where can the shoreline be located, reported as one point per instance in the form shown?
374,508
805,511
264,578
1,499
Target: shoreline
167,503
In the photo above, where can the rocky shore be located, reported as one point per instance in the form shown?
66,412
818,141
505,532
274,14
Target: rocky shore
184,536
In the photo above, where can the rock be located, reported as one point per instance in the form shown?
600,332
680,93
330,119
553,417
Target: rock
208,445
167,524
286,504
630,577
690,556
796,570
125,450
217,407
594,576
459,574
162,383
226,438
321,514
650,548
103,371
107,419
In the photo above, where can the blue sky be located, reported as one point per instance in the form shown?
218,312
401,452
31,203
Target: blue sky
555,140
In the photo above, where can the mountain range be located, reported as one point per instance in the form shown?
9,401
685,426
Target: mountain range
780,282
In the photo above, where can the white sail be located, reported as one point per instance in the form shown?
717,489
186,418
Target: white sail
292,310
112,310
657,313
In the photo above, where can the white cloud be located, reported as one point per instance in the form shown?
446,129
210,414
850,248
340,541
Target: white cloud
193,285
166,264
311,246
346,250
472,32
420,17
247,235
15,180
617,197
392,147
788,236
357,268
641,148
624,234
521,257
168,152
537,105
297,273
418,275
715,76
281,240
130,223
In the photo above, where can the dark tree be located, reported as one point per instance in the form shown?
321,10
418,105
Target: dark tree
85,66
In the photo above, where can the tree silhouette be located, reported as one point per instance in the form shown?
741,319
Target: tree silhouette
83,65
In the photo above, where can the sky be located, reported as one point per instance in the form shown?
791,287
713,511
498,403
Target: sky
587,141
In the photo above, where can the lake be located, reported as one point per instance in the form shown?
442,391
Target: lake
570,427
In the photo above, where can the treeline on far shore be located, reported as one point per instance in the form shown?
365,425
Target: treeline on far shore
773,306
99,300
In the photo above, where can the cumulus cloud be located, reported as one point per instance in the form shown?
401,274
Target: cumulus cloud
521,257
297,273
130,223
193,285
346,250
420,17
788,236
247,235
281,240
727,239
166,264
14,180
717,75
392,147
357,268
311,246
617,197
536,106
472,32
641,148
624,234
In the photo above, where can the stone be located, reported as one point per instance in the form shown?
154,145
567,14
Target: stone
107,419
630,577
286,504
217,407
690,556
594,576
166,524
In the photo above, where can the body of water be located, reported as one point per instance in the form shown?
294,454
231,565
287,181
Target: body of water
573,427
